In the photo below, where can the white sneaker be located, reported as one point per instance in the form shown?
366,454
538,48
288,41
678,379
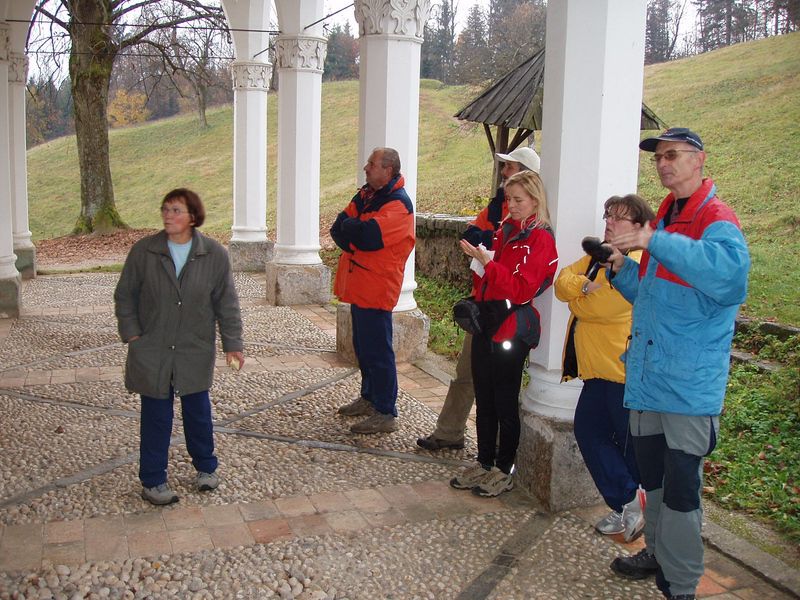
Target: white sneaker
611,524
633,516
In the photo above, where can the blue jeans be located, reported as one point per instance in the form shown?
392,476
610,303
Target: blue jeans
372,342
601,430
156,429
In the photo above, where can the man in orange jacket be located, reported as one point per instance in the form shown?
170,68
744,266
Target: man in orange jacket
449,432
376,234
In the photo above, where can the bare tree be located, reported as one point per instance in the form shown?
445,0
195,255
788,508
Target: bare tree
97,31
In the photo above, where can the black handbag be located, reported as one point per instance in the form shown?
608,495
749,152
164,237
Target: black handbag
481,317
466,315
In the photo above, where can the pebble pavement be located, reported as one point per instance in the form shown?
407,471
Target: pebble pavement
306,510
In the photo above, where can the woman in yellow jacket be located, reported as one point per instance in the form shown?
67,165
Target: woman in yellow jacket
597,336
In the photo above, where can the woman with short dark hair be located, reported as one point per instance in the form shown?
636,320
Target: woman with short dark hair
175,288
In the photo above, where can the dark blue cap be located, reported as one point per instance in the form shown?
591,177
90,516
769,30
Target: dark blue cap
673,134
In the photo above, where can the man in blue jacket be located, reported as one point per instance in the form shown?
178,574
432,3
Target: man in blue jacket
685,294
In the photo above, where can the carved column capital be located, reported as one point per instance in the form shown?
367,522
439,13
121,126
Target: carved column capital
301,52
18,69
5,41
404,18
248,75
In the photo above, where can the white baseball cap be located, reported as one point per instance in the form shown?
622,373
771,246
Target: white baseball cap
526,156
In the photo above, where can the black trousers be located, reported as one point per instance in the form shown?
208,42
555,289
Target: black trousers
497,376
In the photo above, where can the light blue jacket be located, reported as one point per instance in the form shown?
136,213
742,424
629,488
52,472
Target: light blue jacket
685,295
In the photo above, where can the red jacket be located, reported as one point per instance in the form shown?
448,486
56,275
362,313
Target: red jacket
376,233
524,265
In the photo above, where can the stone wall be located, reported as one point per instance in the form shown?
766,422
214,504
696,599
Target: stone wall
437,252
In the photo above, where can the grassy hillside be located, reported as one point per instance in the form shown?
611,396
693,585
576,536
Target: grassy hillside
743,100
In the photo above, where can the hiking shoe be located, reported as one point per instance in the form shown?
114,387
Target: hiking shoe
159,495
639,566
207,481
470,477
360,407
494,485
377,423
633,516
610,524
433,444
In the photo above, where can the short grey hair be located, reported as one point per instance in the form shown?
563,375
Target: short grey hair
390,158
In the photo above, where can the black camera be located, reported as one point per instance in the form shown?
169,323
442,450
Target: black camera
598,250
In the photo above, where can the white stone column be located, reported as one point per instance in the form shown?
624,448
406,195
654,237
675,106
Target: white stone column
249,249
389,53
592,105
23,246
296,274
10,280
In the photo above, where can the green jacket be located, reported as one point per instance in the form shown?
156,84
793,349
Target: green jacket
175,318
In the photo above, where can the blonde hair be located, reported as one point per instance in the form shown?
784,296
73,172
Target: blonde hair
531,184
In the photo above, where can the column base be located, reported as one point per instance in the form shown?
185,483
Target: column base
10,297
250,256
409,334
292,285
549,464
26,261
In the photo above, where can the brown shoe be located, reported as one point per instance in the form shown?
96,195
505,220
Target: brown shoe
433,444
357,408
377,423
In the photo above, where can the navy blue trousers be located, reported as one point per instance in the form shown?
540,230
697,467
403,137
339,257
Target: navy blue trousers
604,439
156,429
372,342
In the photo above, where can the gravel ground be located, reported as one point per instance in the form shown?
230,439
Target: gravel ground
267,450
433,560
42,443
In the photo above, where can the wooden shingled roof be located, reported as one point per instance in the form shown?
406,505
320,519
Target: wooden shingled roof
515,100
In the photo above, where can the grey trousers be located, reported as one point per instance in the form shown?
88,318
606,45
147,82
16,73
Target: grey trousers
459,400
669,452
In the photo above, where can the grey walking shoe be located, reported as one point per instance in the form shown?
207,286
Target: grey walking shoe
495,484
377,423
357,408
633,516
207,481
470,477
159,495
611,524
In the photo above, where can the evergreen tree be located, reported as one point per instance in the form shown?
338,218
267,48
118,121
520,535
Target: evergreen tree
438,47
663,22
472,54
341,58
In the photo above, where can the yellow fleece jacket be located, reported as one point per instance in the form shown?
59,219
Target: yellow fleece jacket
604,321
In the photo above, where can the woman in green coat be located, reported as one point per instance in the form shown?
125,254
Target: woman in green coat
175,288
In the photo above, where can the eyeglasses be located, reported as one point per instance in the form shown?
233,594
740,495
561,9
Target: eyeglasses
618,218
670,155
172,210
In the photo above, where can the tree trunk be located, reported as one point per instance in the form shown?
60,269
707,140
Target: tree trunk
90,63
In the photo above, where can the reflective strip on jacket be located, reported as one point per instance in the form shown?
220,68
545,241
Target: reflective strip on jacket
376,233
685,294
